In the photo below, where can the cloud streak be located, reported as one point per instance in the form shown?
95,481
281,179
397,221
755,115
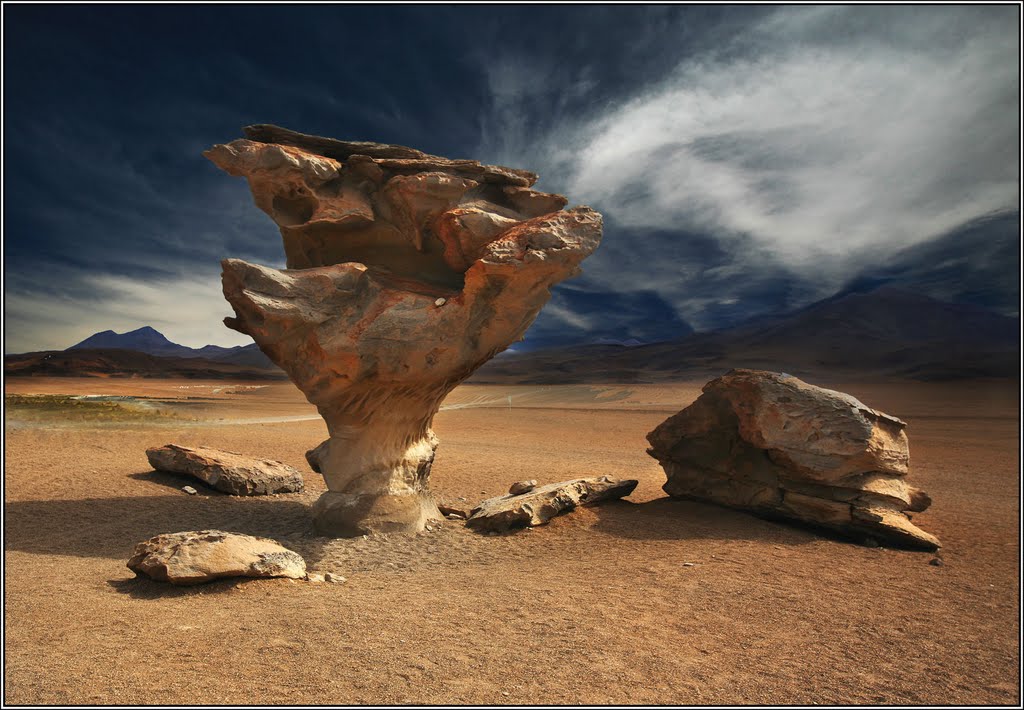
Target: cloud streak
813,141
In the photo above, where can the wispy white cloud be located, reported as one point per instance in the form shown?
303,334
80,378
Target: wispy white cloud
821,138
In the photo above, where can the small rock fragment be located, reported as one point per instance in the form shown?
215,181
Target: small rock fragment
689,564
198,556
315,455
334,578
520,487
450,510
189,489
440,302
315,577
227,471
936,562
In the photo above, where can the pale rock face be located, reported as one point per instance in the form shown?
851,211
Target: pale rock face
227,471
773,444
406,272
196,557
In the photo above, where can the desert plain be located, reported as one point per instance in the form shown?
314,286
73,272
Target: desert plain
644,600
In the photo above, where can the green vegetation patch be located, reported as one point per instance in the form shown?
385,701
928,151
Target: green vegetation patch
78,408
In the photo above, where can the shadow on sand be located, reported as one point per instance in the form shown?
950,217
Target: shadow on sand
111,527
679,519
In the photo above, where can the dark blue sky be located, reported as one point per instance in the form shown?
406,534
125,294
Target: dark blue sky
747,159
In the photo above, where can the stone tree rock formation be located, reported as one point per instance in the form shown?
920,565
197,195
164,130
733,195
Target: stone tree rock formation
405,273
775,445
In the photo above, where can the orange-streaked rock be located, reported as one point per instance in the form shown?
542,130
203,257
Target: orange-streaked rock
406,272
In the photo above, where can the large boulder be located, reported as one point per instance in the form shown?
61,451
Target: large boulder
538,505
405,273
199,556
772,444
227,471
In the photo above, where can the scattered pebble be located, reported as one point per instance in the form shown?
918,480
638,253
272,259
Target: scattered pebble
334,578
689,564
440,302
190,490
936,562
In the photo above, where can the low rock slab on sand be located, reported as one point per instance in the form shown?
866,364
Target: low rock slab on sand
227,471
772,444
538,505
195,557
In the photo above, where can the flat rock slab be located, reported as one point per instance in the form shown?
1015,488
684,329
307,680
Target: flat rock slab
539,505
227,471
199,556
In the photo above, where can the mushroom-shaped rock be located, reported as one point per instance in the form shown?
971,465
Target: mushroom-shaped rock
538,505
227,471
772,444
376,237
199,556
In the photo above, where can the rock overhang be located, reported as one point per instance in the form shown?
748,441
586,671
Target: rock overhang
418,222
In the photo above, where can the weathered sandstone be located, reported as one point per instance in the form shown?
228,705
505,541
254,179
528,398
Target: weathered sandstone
405,272
227,471
199,556
538,505
520,487
772,444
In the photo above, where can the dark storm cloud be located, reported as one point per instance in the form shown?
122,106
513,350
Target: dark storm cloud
747,159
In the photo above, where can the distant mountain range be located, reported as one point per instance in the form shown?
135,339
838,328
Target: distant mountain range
152,342
144,352
881,332
885,332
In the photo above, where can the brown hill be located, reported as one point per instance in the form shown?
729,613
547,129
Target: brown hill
883,333
127,363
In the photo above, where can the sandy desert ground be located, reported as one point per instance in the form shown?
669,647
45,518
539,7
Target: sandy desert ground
596,607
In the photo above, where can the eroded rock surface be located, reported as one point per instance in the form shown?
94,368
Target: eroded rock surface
199,556
227,471
406,272
520,487
538,505
772,444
